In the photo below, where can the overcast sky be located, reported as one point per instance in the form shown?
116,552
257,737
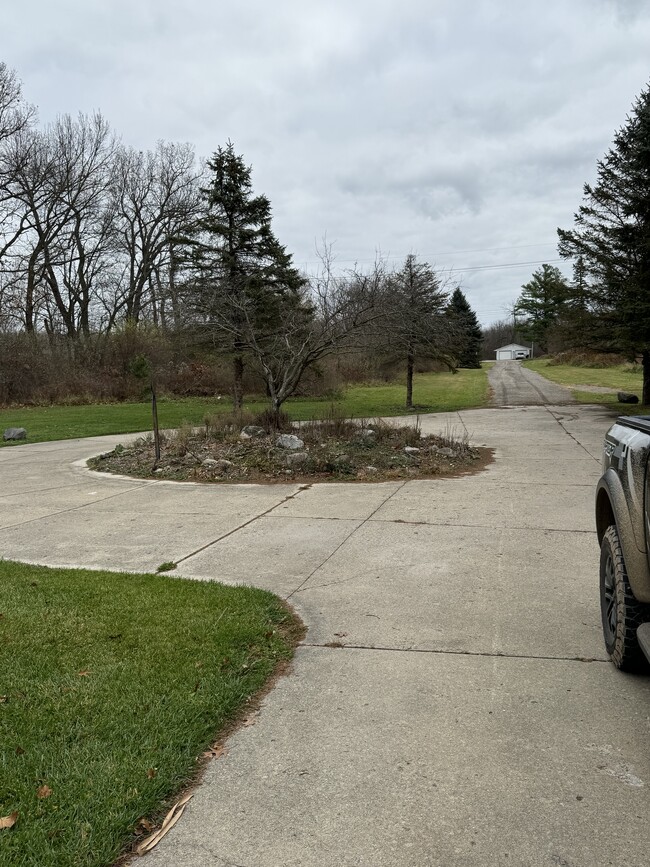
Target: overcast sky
461,130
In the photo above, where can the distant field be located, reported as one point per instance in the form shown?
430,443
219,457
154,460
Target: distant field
433,392
620,377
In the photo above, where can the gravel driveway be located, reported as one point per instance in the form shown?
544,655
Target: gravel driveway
513,384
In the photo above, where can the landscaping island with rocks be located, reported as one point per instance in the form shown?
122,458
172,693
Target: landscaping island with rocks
320,451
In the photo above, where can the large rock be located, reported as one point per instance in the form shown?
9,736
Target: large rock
14,433
296,459
626,397
252,431
289,441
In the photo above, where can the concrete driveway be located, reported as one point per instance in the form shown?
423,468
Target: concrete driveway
469,719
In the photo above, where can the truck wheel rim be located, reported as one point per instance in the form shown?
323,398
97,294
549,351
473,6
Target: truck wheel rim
610,600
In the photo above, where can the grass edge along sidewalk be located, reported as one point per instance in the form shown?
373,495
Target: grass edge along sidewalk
113,686
433,392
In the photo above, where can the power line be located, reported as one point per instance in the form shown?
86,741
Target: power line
504,265
445,253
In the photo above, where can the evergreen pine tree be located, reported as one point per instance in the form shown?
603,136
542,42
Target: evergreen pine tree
468,334
542,303
611,235
242,274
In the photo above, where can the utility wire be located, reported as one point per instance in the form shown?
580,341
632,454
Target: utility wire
444,253
504,265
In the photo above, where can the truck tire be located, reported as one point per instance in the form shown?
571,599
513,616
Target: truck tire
621,613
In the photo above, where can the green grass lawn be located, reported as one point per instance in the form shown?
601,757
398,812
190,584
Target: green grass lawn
619,377
112,685
433,392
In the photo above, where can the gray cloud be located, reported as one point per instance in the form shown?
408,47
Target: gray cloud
461,130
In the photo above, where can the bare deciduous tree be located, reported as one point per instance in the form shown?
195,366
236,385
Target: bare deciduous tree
328,315
57,181
156,195
15,113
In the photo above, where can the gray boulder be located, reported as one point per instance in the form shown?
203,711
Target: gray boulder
626,397
209,463
224,465
368,433
289,441
14,433
411,450
296,459
251,431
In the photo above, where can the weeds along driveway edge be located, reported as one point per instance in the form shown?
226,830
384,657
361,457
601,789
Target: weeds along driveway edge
114,685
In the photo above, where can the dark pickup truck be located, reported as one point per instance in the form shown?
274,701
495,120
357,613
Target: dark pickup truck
623,525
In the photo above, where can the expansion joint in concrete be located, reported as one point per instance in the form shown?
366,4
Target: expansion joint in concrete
347,538
339,645
241,526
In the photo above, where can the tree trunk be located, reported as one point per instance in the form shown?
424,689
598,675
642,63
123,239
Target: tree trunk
238,382
410,364
156,429
645,399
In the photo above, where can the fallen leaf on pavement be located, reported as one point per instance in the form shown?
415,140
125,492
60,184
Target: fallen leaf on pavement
43,791
249,721
168,823
215,752
9,821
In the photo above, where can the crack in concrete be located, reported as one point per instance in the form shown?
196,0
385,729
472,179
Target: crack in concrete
349,536
473,526
569,434
303,589
242,526
444,652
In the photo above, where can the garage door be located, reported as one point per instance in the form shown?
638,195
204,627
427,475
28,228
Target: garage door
504,355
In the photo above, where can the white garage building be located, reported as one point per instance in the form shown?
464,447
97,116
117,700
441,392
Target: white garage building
512,351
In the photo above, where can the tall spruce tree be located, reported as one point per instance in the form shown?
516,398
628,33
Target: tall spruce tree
542,303
243,276
611,235
467,329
